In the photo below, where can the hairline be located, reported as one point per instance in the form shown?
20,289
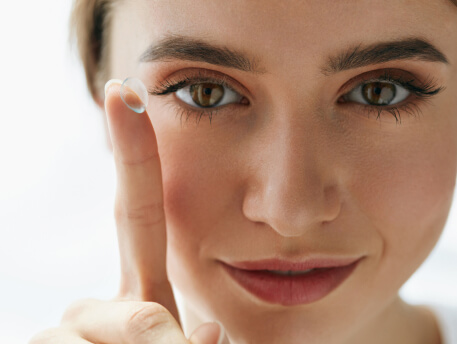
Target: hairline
103,64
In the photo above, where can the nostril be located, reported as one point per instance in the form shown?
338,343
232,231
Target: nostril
292,216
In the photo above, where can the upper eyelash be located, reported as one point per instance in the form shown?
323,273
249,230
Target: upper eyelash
169,86
426,90
423,92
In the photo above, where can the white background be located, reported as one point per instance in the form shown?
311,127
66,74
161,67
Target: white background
57,183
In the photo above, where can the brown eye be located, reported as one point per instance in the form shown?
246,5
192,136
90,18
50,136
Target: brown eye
379,93
206,94
209,94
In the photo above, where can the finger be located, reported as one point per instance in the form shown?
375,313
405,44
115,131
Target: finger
124,322
209,333
57,336
139,210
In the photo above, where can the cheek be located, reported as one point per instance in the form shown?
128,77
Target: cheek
197,198
190,197
406,191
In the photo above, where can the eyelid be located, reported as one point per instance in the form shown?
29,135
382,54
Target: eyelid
394,76
228,97
193,74
401,94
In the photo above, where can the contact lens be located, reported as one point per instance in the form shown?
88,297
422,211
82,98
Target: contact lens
134,94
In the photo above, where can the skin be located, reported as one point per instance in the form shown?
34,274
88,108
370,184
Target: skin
294,174
297,174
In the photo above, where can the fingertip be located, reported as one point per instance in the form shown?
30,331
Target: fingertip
113,101
131,134
209,333
128,96
222,338
111,82
134,94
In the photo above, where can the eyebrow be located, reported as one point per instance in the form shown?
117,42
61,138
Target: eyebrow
404,49
190,49
177,47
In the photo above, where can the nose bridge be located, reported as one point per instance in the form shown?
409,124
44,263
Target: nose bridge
292,195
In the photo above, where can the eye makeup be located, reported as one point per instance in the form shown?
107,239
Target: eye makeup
416,92
377,84
200,77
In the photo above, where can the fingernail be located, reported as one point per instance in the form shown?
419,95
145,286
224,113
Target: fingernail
221,334
110,82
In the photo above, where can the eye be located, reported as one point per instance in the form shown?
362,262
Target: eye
206,95
377,93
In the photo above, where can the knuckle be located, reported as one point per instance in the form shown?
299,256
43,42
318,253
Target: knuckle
46,337
76,309
144,320
147,215
150,158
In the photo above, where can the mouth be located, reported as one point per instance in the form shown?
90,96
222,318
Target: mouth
291,283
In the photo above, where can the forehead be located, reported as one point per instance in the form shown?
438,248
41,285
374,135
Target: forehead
279,32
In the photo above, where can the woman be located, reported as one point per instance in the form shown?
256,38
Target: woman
307,166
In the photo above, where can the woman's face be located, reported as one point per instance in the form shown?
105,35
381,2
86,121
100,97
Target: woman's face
291,164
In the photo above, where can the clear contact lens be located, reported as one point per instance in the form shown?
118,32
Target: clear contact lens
134,94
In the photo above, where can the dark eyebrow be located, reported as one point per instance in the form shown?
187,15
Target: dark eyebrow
190,49
361,56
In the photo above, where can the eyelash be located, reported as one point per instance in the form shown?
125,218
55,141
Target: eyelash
424,92
421,93
170,86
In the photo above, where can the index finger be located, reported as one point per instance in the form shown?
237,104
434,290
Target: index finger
139,213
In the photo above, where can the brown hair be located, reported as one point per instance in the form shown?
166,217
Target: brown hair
90,24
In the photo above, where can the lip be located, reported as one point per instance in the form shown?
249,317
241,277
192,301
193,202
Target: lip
291,290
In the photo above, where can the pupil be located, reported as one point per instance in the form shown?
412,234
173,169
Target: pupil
379,93
206,94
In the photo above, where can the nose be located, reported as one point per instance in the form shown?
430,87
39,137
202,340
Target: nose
292,187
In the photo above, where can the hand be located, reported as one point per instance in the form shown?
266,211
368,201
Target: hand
145,310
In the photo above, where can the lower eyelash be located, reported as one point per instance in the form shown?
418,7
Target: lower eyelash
168,87
422,93
410,108
181,112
